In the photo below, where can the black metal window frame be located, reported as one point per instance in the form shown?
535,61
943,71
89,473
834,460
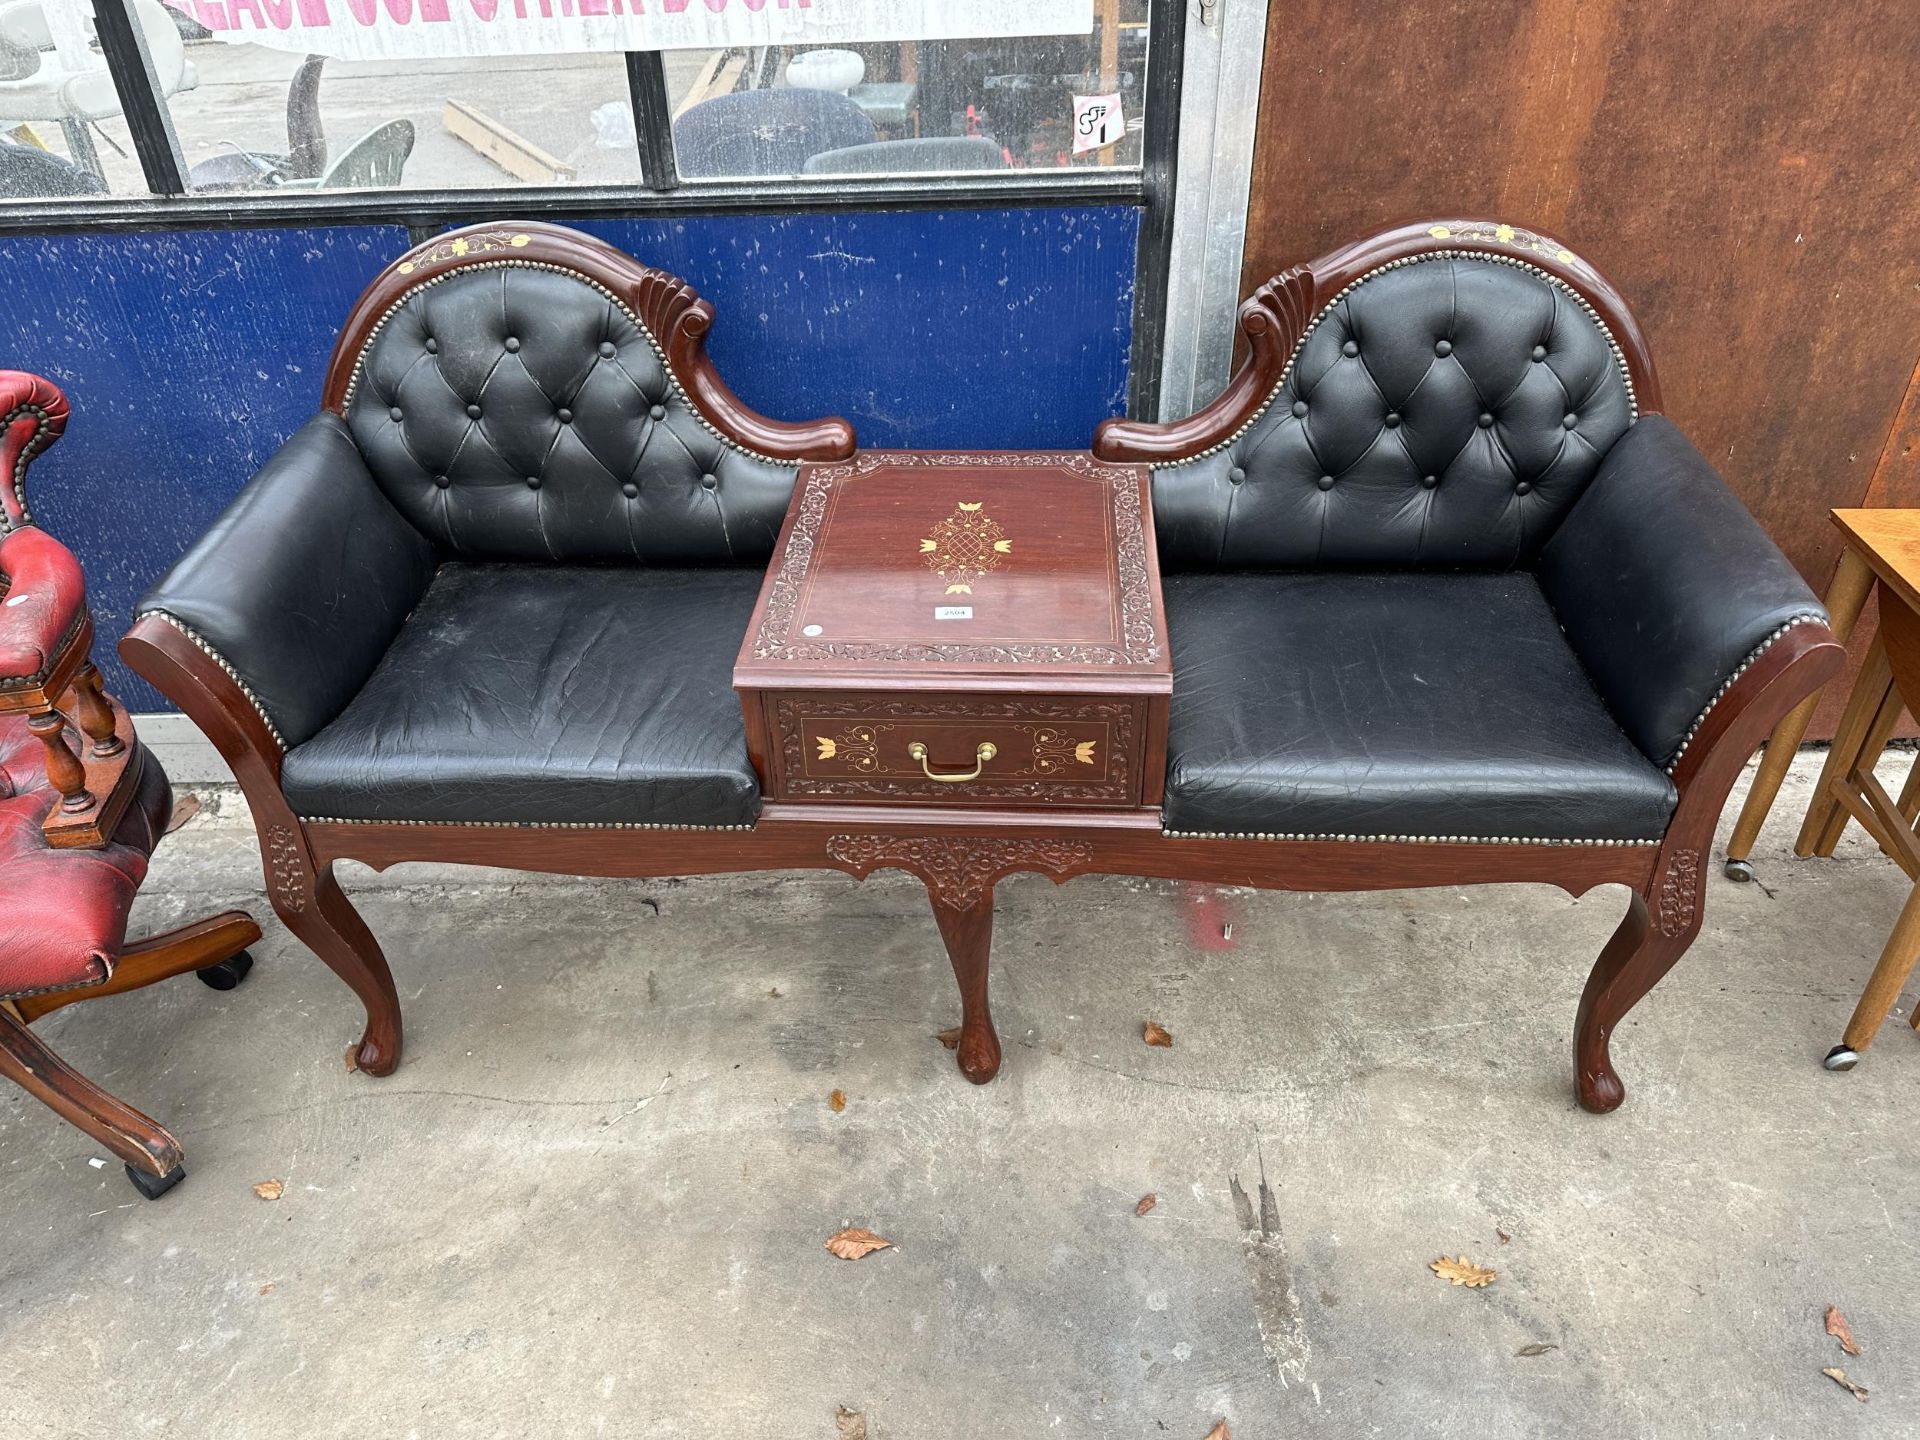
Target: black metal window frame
661,191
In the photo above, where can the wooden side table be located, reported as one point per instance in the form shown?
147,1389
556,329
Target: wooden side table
970,639
1883,553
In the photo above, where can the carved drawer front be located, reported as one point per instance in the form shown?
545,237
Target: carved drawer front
956,749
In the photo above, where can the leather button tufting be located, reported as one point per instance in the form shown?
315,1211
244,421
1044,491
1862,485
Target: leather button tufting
473,412
1443,347
1430,481
608,349
442,481
1236,475
513,345
1525,487
1299,407
1486,421
1569,420
533,482
1392,422
658,412
563,415
1326,482
711,482
394,413
1350,349
1539,353
630,490
433,346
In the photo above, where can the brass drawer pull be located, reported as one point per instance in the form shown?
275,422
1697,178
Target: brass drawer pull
984,752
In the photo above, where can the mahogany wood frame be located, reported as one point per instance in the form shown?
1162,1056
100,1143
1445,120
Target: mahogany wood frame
961,855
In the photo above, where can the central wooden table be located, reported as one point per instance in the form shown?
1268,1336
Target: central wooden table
962,640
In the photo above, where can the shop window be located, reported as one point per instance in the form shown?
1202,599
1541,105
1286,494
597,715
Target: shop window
1037,102
263,97
62,130
262,119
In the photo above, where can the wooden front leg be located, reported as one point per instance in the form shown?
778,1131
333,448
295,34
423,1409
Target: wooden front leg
968,932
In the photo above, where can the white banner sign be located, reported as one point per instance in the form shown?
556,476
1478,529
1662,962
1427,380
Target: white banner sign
431,29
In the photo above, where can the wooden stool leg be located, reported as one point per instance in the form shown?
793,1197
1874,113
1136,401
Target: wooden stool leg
141,1143
968,932
1869,690
1852,583
1883,987
1879,731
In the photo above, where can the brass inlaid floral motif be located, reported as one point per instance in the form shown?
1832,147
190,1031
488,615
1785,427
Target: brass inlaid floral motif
1503,235
1054,751
964,547
857,748
466,245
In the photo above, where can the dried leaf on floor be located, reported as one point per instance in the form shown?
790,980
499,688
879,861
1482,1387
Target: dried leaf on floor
1156,1034
1504,1237
838,1100
267,1289
1527,1352
950,1038
852,1424
353,1057
1147,1202
1219,1431
1458,1270
270,1189
853,1243
1839,1377
1838,1328
184,809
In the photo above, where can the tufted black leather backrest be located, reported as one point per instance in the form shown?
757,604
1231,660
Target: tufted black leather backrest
518,413
1445,411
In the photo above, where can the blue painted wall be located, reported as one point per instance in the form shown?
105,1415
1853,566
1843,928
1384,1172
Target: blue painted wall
190,355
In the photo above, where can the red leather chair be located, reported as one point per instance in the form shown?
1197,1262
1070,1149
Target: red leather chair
81,807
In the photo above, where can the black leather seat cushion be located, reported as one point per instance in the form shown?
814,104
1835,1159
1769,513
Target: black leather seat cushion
1414,703
520,692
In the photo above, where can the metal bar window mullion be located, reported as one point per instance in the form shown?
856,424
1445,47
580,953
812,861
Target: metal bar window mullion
1159,166
652,119
125,48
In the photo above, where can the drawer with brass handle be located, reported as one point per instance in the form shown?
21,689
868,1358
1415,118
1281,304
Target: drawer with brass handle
957,749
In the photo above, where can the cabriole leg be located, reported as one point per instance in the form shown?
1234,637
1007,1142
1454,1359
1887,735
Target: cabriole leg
311,904
1633,962
968,932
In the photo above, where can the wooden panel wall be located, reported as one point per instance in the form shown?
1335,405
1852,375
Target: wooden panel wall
1747,173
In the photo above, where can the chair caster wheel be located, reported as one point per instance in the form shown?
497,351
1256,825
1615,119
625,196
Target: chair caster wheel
154,1186
228,973
1841,1057
1738,870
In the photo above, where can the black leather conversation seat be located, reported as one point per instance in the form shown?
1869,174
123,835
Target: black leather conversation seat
1403,704
547,694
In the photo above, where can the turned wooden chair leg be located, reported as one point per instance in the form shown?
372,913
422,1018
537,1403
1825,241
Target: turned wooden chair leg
1632,963
315,909
141,1143
968,933
197,947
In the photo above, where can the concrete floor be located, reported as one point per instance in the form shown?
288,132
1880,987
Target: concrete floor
593,1200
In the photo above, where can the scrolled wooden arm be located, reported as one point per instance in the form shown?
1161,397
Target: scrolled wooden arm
1279,315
